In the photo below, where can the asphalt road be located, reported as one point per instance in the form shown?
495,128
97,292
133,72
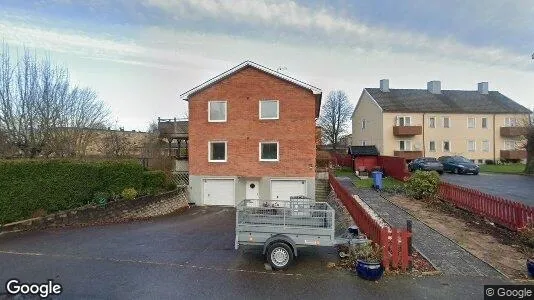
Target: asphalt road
191,256
514,187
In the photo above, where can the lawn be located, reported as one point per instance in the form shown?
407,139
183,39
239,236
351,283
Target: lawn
390,184
504,168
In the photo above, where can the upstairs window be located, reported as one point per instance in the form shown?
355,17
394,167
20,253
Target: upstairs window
217,111
269,110
269,151
471,122
432,122
404,121
446,122
484,122
405,145
217,151
510,122
364,124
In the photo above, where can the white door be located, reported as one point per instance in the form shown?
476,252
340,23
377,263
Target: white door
253,190
283,189
218,192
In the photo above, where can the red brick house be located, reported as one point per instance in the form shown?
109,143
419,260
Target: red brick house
251,136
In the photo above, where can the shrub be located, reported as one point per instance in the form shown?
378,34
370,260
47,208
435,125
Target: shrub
489,162
153,179
53,185
368,252
129,193
423,185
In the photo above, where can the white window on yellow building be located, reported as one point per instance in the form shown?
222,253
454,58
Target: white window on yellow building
484,122
404,121
432,146
510,122
405,145
471,146
446,122
446,146
510,145
471,122
485,146
432,122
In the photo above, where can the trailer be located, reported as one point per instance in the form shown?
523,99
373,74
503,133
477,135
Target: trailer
284,226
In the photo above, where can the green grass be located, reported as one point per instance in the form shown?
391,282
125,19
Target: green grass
390,184
504,168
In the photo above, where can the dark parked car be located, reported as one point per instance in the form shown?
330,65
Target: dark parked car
426,164
458,165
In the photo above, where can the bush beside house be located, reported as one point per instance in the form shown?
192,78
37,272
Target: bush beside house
27,186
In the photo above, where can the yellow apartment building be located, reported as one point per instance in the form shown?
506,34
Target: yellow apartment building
479,125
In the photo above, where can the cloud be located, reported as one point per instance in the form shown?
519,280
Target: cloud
325,25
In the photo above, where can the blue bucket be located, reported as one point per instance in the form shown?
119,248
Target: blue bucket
369,271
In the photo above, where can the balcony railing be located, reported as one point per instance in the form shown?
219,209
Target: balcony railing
511,131
513,154
407,130
408,154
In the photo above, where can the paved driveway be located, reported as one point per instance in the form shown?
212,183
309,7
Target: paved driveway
514,187
192,256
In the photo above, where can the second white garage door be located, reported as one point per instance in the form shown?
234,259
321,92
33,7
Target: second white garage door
283,189
218,192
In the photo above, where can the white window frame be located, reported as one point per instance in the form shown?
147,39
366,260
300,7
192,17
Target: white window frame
277,150
405,143
510,141
482,146
443,121
430,148
482,122
435,120
474,122
443,146
364,124
397,120
277,110
225,152
474,143
225,111
364,143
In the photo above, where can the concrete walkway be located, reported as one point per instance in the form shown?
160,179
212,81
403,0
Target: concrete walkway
445,255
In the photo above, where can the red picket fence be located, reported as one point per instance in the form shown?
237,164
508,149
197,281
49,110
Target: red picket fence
512,215
395,167
394,242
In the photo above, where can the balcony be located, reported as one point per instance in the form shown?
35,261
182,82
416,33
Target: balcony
513,131
409,155
407,130
513,154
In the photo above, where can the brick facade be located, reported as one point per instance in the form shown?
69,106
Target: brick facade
243,130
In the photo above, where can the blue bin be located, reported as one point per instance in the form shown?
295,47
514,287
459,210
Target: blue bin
377,179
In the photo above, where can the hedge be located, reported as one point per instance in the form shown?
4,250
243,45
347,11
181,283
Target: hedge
53,185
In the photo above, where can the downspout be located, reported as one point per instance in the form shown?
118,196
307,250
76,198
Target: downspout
424,143
494,148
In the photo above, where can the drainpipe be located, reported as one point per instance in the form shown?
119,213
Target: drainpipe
494,148
424,143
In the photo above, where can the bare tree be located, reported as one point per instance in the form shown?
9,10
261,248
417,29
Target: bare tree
115,143
41,112
335,115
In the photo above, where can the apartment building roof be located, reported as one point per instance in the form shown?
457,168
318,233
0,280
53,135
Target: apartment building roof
447,101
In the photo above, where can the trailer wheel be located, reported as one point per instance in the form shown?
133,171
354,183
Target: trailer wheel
279,255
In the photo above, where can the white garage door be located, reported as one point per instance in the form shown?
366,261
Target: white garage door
283,189
218,192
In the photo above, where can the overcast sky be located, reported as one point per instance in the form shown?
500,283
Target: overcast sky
139,55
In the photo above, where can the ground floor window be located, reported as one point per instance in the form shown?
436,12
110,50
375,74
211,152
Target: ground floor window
432,146
446,146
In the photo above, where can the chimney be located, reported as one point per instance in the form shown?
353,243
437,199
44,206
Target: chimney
434,86
384,85
483,88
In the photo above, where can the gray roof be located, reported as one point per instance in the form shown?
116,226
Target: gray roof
449,101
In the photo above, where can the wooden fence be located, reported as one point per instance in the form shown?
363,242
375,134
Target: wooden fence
510,214
393,241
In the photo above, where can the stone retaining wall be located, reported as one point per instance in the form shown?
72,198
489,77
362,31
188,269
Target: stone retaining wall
114,212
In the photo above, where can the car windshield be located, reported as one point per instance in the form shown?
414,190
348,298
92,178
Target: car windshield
429,159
